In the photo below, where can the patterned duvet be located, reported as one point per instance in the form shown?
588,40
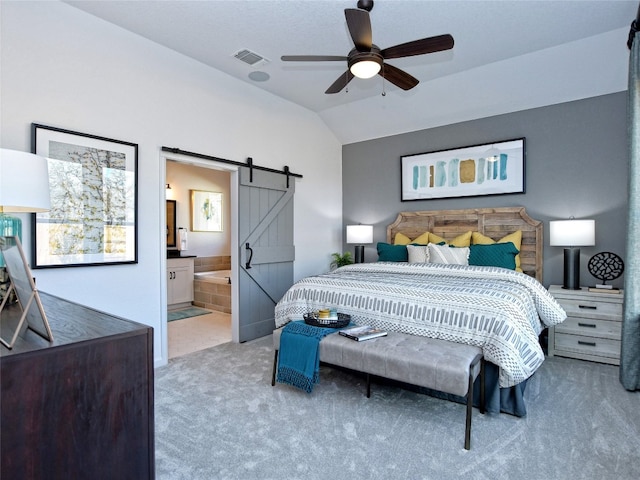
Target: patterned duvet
501,311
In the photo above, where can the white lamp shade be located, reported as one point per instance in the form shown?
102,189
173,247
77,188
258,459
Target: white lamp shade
572,233
24,182
360,234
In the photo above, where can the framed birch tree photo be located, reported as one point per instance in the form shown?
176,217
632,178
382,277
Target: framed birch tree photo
94,200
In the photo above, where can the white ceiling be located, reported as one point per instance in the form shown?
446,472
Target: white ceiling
485,33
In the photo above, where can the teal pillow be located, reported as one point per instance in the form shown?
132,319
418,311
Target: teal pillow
392,253
494,255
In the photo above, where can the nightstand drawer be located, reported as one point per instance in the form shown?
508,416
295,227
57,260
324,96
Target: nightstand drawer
590,327
591,309
601,347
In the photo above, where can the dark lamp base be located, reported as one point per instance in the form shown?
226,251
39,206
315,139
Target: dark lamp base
571,269
359,250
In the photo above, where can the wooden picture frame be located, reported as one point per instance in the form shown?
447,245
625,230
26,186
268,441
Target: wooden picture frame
94,200
171,223
22,283
489,169
206,211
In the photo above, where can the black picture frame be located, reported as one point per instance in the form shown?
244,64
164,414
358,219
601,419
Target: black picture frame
496,168
94,200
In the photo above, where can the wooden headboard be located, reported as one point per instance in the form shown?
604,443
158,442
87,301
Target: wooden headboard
492,222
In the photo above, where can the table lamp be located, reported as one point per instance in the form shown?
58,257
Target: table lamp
572,234
24,188
359,235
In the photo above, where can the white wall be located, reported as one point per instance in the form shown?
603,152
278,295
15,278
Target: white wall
64,68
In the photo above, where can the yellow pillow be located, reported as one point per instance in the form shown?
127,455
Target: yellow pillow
463,240
422,239
515,238
402,239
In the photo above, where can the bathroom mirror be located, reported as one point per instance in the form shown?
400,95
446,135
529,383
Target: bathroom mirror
171,223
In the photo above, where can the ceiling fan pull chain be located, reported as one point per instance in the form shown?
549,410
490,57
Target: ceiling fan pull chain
384,94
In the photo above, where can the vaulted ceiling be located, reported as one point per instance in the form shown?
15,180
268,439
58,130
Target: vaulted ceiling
508,55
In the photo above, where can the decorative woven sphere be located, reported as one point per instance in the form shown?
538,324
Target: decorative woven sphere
606,266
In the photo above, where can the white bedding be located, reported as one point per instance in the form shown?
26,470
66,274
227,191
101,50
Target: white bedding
502,311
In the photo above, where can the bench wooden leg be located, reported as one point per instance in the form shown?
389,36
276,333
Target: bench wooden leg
482,386
275,366
467,429
368,386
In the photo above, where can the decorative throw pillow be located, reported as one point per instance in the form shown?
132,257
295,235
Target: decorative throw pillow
402,239
448,255
515,238
422,239
494,255
463,240
418,253
392,253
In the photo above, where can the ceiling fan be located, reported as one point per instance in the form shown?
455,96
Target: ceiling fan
366,60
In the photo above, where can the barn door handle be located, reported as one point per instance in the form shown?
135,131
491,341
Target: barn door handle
248,264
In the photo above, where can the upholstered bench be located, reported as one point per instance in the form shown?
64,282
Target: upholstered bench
425,362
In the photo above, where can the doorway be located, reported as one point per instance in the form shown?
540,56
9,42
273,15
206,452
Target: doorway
208,250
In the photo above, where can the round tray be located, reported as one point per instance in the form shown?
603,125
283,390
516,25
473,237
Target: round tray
312,319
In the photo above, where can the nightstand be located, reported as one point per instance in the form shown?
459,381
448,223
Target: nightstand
593,326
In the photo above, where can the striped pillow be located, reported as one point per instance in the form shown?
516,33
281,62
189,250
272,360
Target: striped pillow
448,255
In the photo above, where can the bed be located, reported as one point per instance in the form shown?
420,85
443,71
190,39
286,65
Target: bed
502,310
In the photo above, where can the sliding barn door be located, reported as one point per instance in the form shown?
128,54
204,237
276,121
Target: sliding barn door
265,232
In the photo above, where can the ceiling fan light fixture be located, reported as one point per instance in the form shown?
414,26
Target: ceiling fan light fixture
365,68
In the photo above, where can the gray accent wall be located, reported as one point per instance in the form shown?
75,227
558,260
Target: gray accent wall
576,165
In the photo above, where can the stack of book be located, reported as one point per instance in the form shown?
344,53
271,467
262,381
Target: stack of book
604,289
362,333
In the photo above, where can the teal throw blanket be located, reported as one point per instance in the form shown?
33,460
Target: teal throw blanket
299,357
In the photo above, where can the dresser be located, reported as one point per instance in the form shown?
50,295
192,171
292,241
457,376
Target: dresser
593,326
81,406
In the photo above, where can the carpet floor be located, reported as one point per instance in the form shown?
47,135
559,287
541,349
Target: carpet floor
186,313
218,417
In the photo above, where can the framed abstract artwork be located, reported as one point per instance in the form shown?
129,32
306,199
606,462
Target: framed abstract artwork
206,211
490,169
94,200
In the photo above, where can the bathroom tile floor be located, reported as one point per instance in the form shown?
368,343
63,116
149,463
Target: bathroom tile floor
197,333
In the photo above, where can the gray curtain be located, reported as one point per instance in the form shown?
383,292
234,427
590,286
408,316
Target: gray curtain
630,352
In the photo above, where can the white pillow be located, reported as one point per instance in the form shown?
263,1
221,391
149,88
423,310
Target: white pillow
448,255
418,253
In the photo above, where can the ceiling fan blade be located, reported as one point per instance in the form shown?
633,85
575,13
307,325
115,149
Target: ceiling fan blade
312,58
360,28
398,77
341,82
419,47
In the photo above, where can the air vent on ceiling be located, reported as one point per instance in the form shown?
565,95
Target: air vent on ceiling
250,58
